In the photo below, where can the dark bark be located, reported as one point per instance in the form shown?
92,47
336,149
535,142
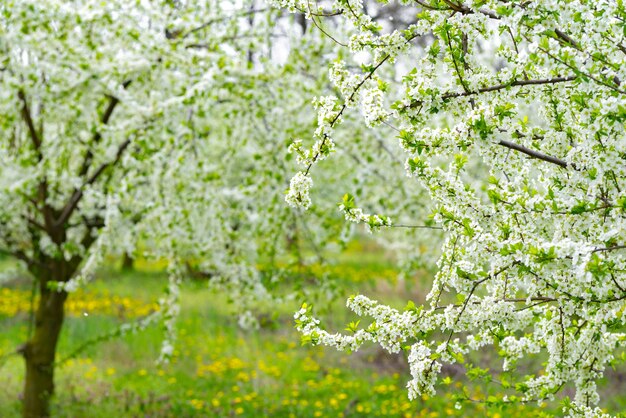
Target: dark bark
128,263
39,351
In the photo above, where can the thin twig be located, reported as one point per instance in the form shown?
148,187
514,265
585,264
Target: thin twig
414,226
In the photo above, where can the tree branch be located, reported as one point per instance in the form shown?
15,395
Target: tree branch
356,89
34,223
414,226
533,153
613,248
463,9
32,130
516,83
106,116
216,20
71,205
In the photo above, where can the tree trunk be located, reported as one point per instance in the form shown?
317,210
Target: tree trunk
128,263
40,351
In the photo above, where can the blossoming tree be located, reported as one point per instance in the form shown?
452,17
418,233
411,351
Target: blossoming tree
161,129
142,122
511,114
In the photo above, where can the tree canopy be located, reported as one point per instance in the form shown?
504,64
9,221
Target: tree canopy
511,115
160,129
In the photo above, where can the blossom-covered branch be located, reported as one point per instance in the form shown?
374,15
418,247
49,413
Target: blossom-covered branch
493,84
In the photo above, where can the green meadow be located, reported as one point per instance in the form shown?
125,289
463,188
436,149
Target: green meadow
221,370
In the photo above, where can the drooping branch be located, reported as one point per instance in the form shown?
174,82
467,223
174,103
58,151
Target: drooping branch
356,89
345,105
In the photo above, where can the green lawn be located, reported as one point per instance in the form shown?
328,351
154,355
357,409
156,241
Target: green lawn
218,368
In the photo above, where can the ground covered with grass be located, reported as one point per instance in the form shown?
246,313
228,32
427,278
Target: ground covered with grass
219,369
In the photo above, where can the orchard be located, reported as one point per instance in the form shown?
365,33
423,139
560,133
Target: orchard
477,146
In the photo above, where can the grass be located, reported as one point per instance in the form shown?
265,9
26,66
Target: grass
218,369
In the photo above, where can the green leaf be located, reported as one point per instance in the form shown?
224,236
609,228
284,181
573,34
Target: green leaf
348,201
579,208
353,326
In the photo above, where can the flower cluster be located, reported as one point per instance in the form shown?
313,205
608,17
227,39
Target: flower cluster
356,215
298,193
